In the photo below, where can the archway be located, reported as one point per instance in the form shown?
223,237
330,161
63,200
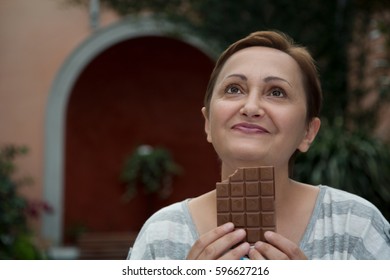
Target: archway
93,51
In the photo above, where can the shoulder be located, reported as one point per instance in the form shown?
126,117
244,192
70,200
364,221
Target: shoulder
164,233
343,201
342,204
175,217
356,221
175,212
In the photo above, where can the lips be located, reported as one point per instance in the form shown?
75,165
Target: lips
249,128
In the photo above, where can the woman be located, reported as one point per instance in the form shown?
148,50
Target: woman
261,108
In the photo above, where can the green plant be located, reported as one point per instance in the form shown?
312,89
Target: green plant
348,160
16,239
150,168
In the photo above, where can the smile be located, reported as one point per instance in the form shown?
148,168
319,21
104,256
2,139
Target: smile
249,128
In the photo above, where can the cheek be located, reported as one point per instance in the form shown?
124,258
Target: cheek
220,112
218,122
292,121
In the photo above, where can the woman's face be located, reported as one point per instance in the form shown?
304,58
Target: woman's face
257,112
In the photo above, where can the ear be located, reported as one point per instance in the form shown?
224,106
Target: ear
206,124
311,133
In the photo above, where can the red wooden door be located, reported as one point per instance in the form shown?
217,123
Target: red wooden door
147,90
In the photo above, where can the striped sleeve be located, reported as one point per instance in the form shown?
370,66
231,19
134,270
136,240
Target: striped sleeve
167,234
345,226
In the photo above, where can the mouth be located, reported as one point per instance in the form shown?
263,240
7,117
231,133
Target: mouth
250,128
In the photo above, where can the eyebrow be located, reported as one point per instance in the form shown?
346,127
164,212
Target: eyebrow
266,79
242,77
271,78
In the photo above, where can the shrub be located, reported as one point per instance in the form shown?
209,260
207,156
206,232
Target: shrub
352,161
16,239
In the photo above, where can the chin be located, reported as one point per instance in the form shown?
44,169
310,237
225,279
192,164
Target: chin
251,160
245,154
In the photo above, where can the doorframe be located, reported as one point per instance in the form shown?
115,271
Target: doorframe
55,119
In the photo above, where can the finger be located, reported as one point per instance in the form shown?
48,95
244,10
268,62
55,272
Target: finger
269,252
237,253
222,245
289,248
207,238
255,255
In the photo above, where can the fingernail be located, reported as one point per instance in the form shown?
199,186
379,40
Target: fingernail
268,234
240,232
228,226
258,244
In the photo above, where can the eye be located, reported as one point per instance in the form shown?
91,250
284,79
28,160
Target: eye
233,89
277,92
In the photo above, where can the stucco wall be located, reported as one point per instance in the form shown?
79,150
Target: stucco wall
36,37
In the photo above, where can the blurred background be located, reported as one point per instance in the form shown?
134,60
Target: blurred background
100,110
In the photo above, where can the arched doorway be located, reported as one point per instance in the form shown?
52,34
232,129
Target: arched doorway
97,108
145,90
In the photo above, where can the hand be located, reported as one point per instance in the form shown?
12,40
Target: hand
277,248
218,243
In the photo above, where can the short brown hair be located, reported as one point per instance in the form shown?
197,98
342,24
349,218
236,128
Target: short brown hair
280,41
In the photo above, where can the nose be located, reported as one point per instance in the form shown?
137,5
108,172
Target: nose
252,107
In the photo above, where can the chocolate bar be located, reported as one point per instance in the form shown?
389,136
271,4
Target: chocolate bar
247,199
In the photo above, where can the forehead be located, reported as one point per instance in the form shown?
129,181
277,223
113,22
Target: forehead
262,61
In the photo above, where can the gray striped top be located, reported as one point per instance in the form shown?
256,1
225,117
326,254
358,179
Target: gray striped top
342,226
